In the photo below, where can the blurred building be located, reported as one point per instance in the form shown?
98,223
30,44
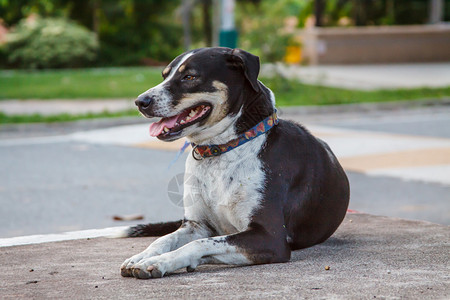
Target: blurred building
378,44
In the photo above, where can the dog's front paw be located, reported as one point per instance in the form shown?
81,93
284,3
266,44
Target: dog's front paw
126,269
145,266
149,268
151,271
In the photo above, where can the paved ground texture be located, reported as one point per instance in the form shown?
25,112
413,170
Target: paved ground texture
52,107
367,77
369,257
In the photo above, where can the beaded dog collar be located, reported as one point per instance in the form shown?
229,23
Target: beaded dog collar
203,151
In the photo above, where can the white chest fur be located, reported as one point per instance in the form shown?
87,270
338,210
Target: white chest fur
226,189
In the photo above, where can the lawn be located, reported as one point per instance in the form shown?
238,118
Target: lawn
295,93
84,83
65,117
130,82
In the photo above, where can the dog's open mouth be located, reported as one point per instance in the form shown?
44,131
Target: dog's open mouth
172,126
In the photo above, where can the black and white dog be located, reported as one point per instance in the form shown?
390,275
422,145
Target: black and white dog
263,187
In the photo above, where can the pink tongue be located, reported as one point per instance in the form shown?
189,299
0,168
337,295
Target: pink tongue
157,127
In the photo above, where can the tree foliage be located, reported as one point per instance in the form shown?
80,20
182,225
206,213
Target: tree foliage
372,12
133,30
129,31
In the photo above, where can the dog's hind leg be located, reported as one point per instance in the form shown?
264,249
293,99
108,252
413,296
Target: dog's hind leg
188,232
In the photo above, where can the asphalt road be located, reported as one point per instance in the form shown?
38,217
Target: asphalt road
57,185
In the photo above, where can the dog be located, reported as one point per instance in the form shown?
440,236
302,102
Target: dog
262,186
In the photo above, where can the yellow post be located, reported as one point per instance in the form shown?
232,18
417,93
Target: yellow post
293,55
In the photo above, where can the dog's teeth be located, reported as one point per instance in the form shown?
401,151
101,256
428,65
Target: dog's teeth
182,121
192,113
166,129
188,118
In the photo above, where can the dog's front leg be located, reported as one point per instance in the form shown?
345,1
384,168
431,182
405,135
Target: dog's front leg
188,232
254,246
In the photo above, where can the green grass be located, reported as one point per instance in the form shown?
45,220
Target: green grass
71,84
130,82
302,94
38,118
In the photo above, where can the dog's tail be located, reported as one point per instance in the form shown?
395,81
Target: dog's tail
152,229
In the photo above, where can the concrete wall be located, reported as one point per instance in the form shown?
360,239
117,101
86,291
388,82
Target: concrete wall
377,44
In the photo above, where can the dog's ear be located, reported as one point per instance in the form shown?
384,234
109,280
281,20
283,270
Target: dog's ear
248,62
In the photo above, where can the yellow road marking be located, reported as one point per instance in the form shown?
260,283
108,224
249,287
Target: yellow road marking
160,145
410,158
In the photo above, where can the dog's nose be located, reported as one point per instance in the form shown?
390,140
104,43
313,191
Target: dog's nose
143,101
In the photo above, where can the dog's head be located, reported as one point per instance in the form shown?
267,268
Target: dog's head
203,90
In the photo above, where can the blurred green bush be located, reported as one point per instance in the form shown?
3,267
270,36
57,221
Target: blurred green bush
38,43
130,32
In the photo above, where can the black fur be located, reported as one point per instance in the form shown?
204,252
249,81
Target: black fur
153,229
306,182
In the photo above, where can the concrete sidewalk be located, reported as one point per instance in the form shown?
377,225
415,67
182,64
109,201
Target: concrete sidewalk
366,77
369,257
53,107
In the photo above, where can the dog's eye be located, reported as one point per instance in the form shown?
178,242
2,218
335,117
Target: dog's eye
189,77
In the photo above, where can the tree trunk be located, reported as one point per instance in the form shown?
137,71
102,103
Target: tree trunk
318,12
95,16
207,23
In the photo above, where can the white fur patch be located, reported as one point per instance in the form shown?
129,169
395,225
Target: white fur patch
167,243
174,69
228,187
227,190
214,249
